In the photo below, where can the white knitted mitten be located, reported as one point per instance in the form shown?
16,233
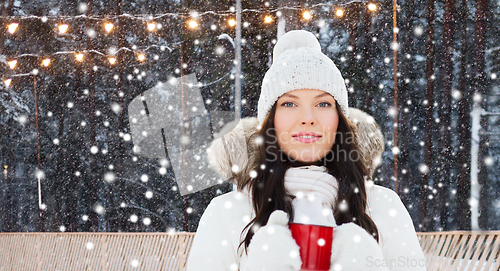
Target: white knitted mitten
273,248
353,249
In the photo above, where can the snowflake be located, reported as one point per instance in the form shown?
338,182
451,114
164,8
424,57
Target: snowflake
477,97
456,94
253,174
40,174
109,177
419,30
134,263
99,209
488,161
91,33
116,108
89,245
391,111
343,206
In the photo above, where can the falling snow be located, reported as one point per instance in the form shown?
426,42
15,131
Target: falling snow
84,160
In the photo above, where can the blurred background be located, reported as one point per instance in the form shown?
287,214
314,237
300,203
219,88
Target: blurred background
70,69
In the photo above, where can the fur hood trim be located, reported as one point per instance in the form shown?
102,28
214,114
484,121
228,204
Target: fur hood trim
228,152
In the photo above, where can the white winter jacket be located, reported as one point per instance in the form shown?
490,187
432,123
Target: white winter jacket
216,244
215,247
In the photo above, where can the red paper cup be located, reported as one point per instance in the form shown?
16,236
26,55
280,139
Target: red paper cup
315,244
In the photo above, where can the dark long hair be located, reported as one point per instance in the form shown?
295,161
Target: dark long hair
268,187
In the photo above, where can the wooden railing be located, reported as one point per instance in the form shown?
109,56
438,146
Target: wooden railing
94,251
461,250
445,251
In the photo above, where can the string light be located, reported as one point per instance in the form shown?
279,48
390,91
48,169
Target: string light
151,26
12,27
140,17
12,64
7,82
63,28
79,57
108,27
339,12
306,15
136,49
268,19
46,62
193,24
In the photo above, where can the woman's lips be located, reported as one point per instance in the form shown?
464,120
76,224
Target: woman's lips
306,137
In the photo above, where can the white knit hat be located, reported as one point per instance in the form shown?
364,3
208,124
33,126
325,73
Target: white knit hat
298,63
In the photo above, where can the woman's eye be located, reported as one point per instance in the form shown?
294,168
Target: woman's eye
287,104
324,104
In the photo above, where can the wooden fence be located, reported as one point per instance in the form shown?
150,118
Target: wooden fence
444,251
461,250
94,251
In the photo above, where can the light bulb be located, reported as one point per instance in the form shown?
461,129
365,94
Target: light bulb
63,28
151,26
46,62
79,57
193,24
12,27
339,12
306,15
12,64
108,27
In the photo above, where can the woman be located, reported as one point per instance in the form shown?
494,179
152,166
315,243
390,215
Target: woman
304,165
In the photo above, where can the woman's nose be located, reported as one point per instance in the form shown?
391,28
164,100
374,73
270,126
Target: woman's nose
307,118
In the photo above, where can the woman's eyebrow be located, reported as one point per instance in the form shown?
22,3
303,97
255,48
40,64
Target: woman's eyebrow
323,94
295,97
290,95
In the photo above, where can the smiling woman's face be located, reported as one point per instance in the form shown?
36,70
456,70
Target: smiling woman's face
306,122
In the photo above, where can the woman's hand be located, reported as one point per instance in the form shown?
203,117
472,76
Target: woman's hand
354,249
273,248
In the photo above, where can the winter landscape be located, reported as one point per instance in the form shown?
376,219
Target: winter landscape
107,108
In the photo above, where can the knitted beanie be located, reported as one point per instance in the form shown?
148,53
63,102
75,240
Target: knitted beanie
298,63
